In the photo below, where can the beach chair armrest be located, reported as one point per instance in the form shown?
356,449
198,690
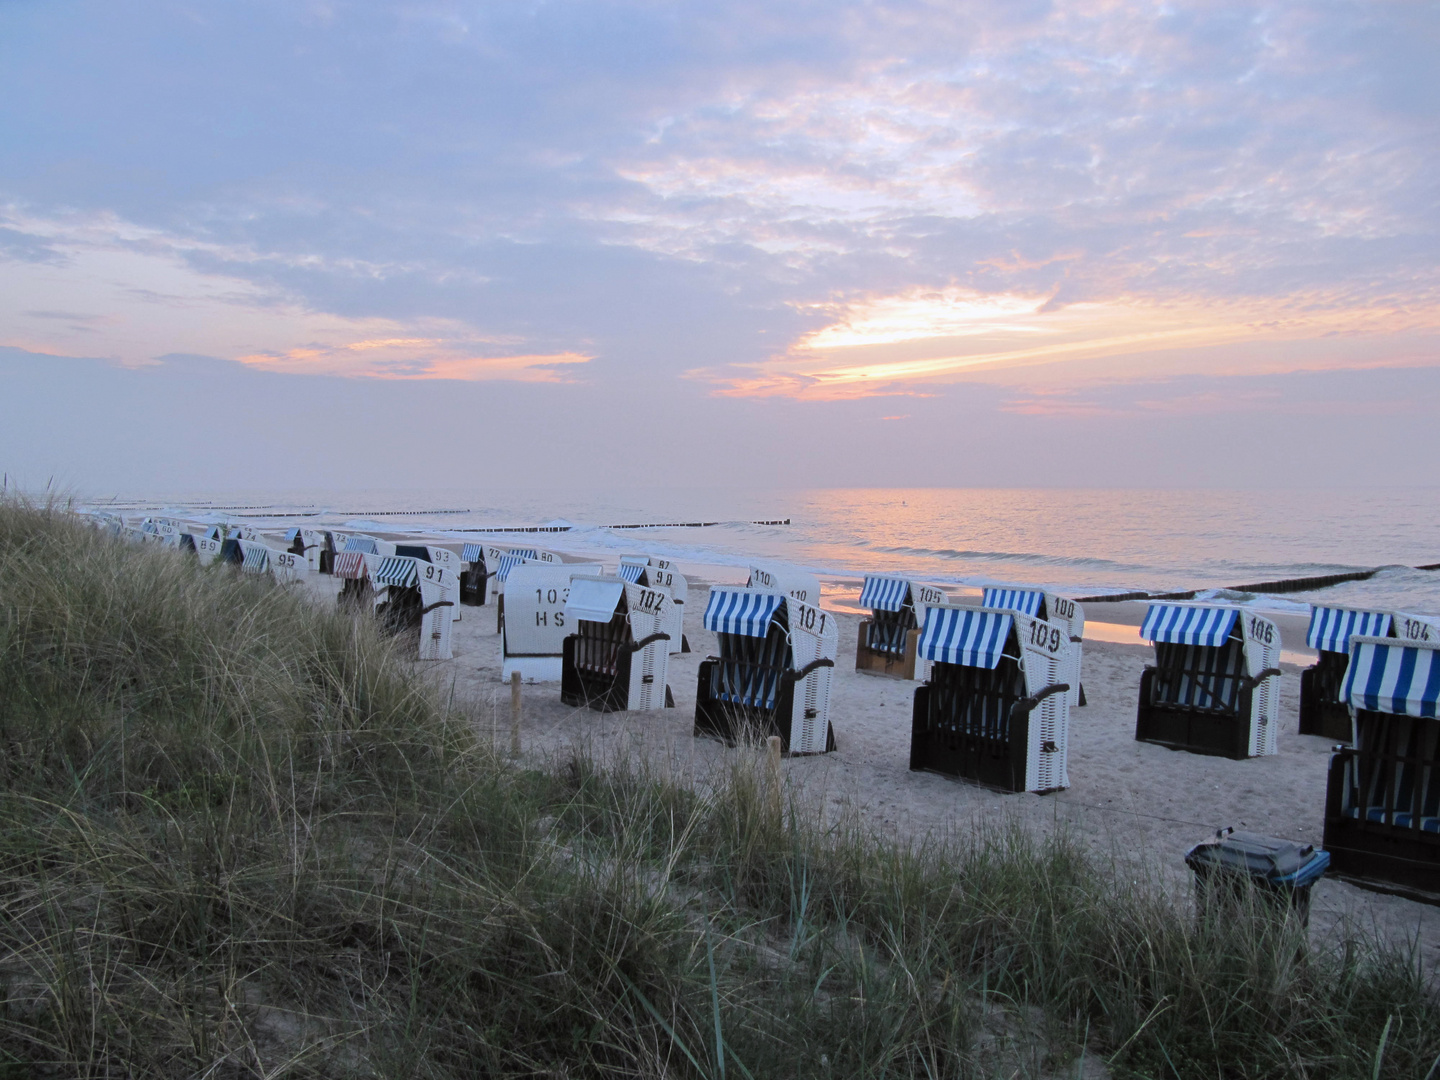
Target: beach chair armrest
438,604
648,641
1258,679
796,676
1024,705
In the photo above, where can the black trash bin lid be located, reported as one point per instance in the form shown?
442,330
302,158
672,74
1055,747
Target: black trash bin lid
1251,853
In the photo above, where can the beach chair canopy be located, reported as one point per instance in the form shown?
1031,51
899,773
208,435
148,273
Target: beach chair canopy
397,570
472,553
966,636
364,544
594,599
1331,628
256,556
884,593
633,567
349,564
1386,676
741,611
1027,601
1182,624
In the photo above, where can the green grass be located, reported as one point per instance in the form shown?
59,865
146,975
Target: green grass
239,836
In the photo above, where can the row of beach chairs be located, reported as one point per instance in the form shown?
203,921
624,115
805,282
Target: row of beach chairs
997,681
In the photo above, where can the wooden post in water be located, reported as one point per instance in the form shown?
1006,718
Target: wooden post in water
515,714
772,776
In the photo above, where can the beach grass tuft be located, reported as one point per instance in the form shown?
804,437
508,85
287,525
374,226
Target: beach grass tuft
241,836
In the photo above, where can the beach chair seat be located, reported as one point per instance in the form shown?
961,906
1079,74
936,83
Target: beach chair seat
994,709
1212,687
617,658
773,673
1382,807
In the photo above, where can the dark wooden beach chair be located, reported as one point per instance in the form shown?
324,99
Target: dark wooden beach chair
995,709
1212,688
1058,611
1382,802
773,674
618,658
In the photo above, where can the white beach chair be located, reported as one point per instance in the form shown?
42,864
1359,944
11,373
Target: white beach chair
995,708
1323,709
416,601
1382,806
786,580
1056,610
616,658
532,640
774,671
661,574
474,575
1213,688
887,642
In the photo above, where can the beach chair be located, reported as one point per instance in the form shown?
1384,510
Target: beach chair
353,570
208,544
887,641
287,567
1323,710
995,708
251,556
474,575
774,671
1382,801
505,560
532,640
438,556
616,658
417,600
660,573
309,544
1213,688
1057,611
787,581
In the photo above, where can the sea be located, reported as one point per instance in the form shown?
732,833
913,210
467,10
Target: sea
1080,543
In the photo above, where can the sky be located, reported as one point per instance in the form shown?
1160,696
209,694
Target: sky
304,244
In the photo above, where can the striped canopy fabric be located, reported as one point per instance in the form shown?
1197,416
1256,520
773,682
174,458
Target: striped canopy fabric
1392,678
349,564
631,572
292,532
965,636
884,593
1025,601
472,553
397,570
1183,624
525,553
1331,628
737,611
508,563
257,557
363,544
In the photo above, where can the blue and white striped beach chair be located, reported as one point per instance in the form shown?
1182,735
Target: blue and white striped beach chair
1213,688
995,708
1058,611
887,642
616,657
1323,709
774,671
1382,807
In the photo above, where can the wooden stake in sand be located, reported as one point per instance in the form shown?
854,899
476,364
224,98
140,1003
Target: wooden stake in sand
772,775
515,714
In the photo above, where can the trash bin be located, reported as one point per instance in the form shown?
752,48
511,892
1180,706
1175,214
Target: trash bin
1279,869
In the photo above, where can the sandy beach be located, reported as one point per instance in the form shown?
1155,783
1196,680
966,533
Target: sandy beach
1135,802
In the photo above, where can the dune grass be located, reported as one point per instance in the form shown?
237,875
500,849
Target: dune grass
240,837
